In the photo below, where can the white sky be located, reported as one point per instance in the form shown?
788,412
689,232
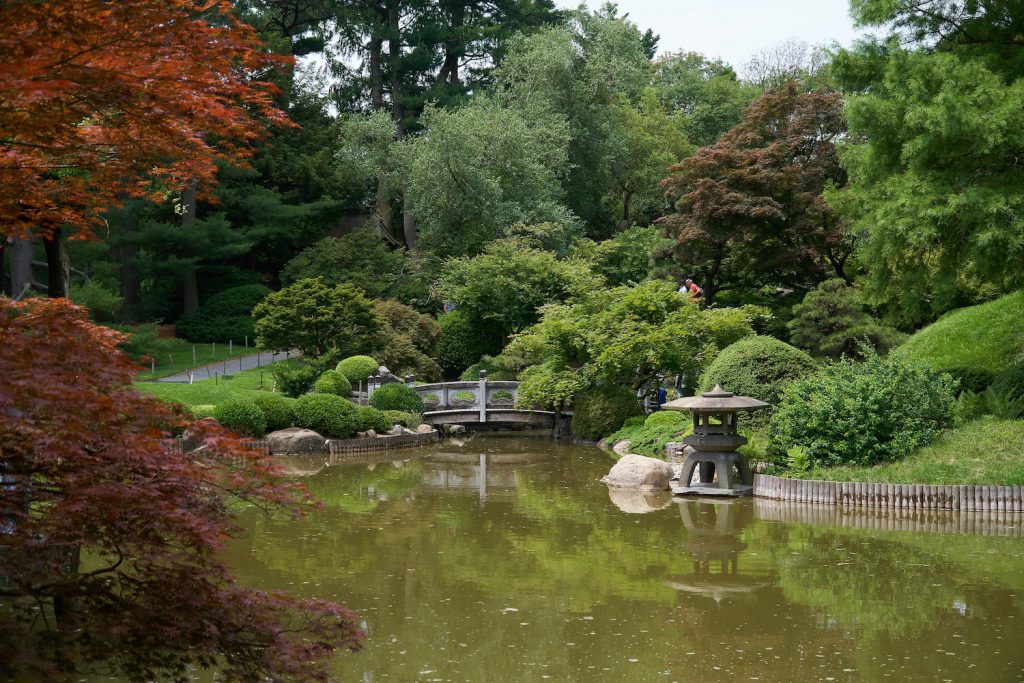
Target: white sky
734,29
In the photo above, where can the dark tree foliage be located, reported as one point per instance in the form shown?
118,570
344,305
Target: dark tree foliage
110,559
749,209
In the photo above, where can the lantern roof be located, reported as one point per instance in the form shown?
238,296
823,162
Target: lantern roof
716,400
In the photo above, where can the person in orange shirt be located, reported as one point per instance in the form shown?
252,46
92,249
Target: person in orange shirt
696,292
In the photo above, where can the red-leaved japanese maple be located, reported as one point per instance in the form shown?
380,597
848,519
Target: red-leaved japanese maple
109,535
99,99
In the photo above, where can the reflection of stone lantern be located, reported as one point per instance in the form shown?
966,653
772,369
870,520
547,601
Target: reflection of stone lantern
713,444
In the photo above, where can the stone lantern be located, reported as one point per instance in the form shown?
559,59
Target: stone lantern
713,444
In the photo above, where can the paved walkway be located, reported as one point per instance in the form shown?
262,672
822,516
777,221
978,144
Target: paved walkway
230,366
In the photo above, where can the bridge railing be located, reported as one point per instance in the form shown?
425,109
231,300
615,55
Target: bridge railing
479,394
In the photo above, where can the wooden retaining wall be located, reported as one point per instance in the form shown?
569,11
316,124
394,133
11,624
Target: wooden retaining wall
381,443
893,519
993,499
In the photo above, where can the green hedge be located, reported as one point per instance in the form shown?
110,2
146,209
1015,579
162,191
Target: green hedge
358,368
242,416
377,420
225,316
599,412
853,413
397,396
327,414
759,367
278,410
333,382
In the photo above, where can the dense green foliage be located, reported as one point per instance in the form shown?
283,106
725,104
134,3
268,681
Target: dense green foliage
226,316
315,318
332,382
242,416
861,413
626,258
372,418
600,411
357,368
759,367
397,417
277,410
832,322
1008,390
462,343
624,335
407,340
650,436
973,343
327,414
397,396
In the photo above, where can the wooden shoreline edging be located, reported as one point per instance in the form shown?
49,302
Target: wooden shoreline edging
966,497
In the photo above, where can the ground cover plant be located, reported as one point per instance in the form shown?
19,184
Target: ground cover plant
649,435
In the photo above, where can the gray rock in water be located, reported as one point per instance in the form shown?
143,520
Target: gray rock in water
294,440
639,501
638,471
424,429
455,429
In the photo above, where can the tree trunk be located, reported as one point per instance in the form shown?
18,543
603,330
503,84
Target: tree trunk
710,285
376,70
125,255
190,285
21,266
453,48
627,198
58,267
395,62
384,214
408,223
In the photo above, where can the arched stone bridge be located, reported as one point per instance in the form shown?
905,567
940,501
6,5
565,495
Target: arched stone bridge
479,404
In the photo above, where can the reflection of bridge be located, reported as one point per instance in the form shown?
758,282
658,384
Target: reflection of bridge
479,404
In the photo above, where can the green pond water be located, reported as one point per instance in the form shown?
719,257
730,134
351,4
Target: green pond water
505,559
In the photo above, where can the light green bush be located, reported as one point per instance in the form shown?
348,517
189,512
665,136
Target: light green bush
201,411
358,368
862,413
397,417
371,418
242,416
328,414
668,418
332,382
397,397
277,410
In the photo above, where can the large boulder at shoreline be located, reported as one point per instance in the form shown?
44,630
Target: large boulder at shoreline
639,471
424,429
294,440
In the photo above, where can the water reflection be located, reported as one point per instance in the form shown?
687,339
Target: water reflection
507,560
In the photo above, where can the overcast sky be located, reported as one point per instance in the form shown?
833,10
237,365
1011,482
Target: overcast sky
734,29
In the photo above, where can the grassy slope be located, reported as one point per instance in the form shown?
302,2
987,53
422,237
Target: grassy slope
175,355
984,337
209,391
986,451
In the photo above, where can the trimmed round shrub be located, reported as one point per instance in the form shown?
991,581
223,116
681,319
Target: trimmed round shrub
332,382
759,367
276,409
397,396
397,417
371,418
327,414
865,413
225,316
668,418
358,368
242,416
199,412
599,412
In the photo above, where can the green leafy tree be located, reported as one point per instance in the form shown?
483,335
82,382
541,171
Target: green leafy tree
935,134
832,322
623,336
506,285
626,258
407,340
315,318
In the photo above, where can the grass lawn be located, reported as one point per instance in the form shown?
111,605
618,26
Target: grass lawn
210,391
984,337
986,451
175,355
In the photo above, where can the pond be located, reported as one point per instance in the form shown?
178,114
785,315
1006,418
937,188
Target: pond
504,559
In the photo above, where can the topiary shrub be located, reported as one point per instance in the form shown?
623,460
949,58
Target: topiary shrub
398,417
371,418
199,412
397,397
668,418
332,382
865,413
225,316
242,416
327,414
759,367
599,412
276,409
358,368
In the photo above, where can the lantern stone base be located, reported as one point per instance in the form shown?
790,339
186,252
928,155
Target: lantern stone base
729,468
